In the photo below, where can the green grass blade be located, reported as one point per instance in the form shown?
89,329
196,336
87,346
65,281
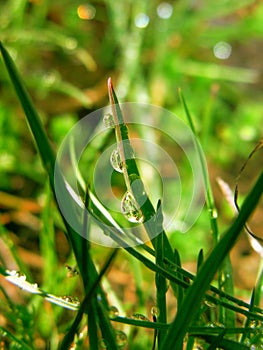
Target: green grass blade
179,290
160,281
225,276
78,243
200,259
131,172
210,200
107,330
226,284
259,285
192,300
224,343
43,146
249,317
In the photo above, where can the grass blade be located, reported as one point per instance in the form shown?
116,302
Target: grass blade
225,276
45,151
79,244
160,281
196,292
131,172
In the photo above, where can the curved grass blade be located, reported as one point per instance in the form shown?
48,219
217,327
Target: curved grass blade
40,137
79,244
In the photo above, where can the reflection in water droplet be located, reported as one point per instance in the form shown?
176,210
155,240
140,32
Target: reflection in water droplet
121,338
113,312
108,121
115,160
155,311
130,208
139,317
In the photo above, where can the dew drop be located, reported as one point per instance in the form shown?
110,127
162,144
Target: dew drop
115,160
130,209
215,324
197,346
139,317
70,299
108,121
218,324
21,276
72,271
106,232
155,311
253,323
113,312
121,338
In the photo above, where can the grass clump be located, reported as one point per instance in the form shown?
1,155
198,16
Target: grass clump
207,314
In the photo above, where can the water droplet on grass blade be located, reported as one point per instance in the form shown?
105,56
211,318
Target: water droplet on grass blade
71,299
155,311
130,208
113,312
197,346
115,160
108,121
121,338
253,323
20,275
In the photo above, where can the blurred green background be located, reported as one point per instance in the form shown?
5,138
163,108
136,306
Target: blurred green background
66,50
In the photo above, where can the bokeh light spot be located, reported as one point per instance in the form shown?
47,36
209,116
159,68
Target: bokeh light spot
86,11
164,10
222,50
142,20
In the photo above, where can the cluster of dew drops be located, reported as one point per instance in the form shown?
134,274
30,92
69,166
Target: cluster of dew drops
121,337
129,206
